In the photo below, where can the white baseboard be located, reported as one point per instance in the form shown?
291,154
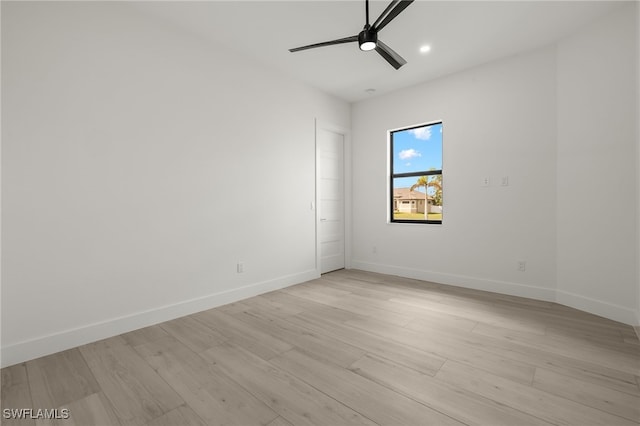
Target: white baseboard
502,287
596,307
67,339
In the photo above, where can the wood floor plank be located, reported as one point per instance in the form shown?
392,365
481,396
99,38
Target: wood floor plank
628,333
467,407
193,334
59,379
92,410
612,339
291,398
382,311
384,281
214,396
331,313
283,310
363,307
593,395
583,319
569,318
138,394
581,350
536,313
255,341
450,347
181,416
381,404
144,335
234,308
280,421
484,312
528,399
570,322
306,305
15,394
425,290
582,338
13,376
373,291
263,304
565,364
421,361
317,344
310,290
441,322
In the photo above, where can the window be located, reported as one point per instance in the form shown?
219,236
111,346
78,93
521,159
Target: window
415,190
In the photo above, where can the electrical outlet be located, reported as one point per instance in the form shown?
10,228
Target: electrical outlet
486,181
522,265
240,267
504,181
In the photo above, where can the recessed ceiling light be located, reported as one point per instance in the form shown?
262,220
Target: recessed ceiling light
425,48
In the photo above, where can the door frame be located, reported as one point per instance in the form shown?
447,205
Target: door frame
319,126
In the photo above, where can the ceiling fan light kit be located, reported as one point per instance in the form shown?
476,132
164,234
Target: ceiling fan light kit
368,38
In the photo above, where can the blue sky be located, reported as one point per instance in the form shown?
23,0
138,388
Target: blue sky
415,150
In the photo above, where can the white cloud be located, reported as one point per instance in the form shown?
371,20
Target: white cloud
409,153
423,133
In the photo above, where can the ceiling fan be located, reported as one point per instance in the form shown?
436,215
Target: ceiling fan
368,37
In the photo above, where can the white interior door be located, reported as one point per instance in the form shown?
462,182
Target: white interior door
331,228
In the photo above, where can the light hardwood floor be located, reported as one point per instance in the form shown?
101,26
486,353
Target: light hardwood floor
349,348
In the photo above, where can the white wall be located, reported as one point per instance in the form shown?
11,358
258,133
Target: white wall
561,123
638,165
597,161
0,198
498,120
134,156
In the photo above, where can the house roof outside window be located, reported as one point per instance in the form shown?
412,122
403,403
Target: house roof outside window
407,194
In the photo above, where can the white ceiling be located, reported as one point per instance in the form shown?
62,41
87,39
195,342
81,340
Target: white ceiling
461,34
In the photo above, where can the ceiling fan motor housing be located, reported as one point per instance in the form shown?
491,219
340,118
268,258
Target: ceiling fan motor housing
367,39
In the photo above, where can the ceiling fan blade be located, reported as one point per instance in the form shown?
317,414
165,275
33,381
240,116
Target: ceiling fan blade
393,10
326,43
390,55
384,13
